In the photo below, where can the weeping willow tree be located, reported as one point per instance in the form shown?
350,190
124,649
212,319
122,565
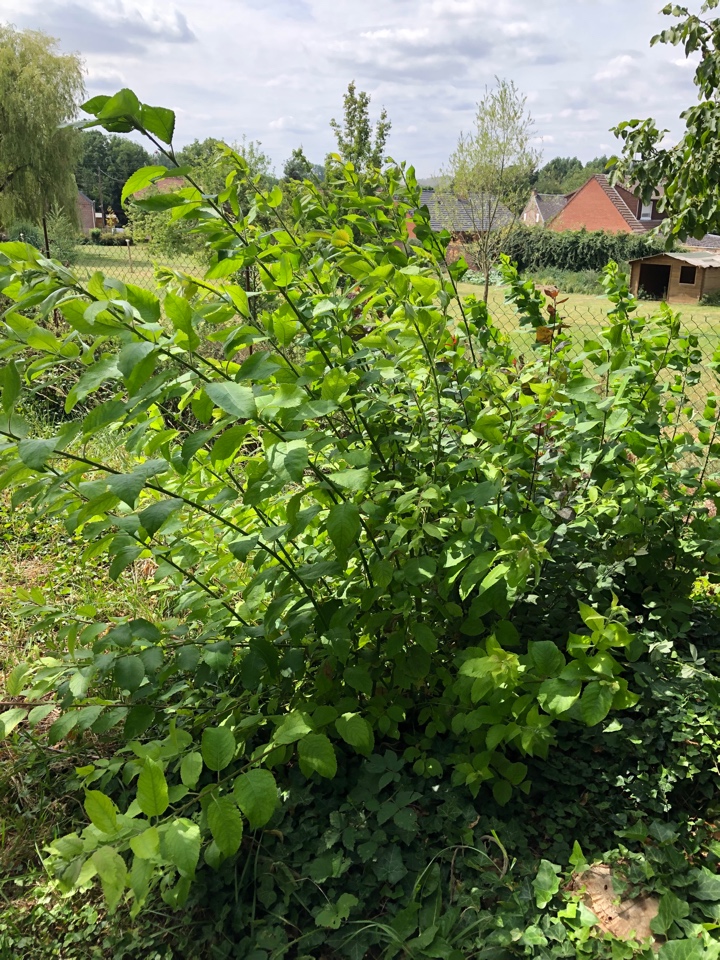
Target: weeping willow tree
40,89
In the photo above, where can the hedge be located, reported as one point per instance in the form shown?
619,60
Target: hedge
538,248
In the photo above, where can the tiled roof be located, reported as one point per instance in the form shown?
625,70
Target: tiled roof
711,241
623,209
470,215
550,204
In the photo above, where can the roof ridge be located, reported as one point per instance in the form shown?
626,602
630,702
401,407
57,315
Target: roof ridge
617,201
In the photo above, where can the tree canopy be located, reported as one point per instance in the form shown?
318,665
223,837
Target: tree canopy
565,174
686,174
40,90
357,140
105,164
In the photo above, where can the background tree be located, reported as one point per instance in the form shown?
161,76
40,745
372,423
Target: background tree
104,166
298,167
40,90
487,175
689,171
566,174
357,140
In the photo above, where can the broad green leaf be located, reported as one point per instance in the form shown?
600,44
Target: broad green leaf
256,795
420,570
159,121
291,728
11,386
146,845
706,884
142,178
228,443
591,618
359,679
90,381
233,398
353,481
316,755
225,824
191,768
557,696
181,845
596,702
502,792
670,909
357,732
546,658
218,747
101,811
152,518
36,453
180,314
10,719
343,526
122,105
15,681
152,789
112,871
684,950
129,673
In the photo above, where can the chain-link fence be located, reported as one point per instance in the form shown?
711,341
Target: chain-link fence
583,315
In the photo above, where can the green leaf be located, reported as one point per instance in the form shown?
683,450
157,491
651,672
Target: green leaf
546,884
10,719
233,398
546,658
101,811
256,795
142,178
502,792
146,845
591,618
420,570
354,481
670,909
180,314
359,679
129,673
191,768
343,526
152,789
90,381
357,732
333,915
123,104
225,824
316,755
596,702
181,845
684,950
112,871
292,727
11,386
152,518
159,121
557,696
62,726
36,453
15,682
218,747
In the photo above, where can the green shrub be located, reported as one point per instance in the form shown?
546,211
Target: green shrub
535,249
569,281
386,537
95,235
710,299
27,232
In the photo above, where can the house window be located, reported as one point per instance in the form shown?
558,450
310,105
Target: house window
646,211
537,218
687,275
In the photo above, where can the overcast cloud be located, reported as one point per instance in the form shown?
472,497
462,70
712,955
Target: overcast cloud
276,70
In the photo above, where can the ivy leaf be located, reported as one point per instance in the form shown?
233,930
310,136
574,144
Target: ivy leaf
225,824
596,702
546,884
357,732
683,950
152,789
670,909
218,747
256,795
706,884
101,811
112,871
233,398
316,755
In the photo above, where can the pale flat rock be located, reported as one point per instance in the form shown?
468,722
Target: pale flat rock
623,918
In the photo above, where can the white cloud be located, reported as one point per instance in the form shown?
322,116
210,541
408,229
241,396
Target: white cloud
277,69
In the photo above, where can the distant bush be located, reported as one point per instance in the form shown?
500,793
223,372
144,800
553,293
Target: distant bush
114,239
711,299
28,233
535,248
95,235
570,281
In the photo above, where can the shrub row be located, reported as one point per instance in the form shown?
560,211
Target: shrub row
536,248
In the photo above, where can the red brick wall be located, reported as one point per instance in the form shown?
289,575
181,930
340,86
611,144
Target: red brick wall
85,214
592,209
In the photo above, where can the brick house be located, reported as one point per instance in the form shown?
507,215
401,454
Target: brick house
465,218
541,208
86,214
600,206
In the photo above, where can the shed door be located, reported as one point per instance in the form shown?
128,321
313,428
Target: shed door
654,280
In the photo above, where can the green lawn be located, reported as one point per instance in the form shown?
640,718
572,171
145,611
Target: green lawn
134,264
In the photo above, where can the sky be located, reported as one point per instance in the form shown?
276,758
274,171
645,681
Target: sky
276,70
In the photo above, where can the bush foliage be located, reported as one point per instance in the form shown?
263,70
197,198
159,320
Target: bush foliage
534,248
378,532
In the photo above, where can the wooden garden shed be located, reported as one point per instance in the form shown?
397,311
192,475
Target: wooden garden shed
676,277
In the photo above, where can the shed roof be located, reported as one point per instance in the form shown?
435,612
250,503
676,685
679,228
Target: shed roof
695,259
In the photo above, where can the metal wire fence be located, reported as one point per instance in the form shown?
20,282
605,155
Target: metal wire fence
583,315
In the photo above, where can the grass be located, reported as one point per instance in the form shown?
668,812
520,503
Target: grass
134,264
